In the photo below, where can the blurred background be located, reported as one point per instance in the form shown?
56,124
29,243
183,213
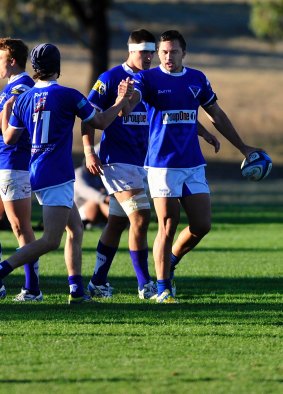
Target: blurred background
237,44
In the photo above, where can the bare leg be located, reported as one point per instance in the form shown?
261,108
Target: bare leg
168,214
113,230
73,244
19,215
54,220
139,221
198,211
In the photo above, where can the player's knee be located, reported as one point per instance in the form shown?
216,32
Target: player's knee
75,231
137,202
168,227
200,230
51,243
117,224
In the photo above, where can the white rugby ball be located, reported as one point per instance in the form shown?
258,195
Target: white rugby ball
258,167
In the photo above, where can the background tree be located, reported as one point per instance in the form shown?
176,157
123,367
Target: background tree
83,21
267,19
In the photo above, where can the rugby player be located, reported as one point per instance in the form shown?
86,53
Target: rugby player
48,112
176,167
15,189
121,164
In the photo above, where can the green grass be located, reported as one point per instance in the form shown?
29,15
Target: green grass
224,336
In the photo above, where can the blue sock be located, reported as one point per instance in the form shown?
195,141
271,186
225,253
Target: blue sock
174,261
76,285
104,257
32,279
163,284
140,264
5,269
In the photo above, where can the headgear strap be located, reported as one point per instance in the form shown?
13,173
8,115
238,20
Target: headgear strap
143,46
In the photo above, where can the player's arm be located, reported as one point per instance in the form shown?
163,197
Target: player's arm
93,163
208,137
102,120
131,104
11,134
223,124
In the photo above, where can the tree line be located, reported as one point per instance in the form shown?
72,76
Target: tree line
86,22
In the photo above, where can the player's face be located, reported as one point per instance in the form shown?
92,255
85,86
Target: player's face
171,55
140,60
5,64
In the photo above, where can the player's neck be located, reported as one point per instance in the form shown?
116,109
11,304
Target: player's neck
52,77
16,71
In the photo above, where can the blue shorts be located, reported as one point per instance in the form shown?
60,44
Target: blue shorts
57,196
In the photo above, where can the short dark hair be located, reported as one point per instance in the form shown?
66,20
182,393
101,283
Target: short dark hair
141,35
17,50
171,35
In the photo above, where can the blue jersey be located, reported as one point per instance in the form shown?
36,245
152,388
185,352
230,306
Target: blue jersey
48,111
126,139
172,102
15,157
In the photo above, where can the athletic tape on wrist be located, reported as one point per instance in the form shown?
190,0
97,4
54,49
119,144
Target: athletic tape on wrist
89,150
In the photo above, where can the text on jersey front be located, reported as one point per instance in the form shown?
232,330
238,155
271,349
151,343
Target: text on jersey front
179,116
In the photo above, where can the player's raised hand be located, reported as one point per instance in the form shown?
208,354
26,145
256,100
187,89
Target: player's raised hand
126,88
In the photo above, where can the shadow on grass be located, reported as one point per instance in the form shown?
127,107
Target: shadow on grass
189,286
220,300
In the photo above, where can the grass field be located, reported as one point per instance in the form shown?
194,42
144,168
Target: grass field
224,336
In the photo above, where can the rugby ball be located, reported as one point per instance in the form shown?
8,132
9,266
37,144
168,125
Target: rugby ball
258,167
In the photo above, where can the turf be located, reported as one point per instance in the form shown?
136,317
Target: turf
224,336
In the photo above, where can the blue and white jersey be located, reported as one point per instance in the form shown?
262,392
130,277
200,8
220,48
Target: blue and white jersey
48,111
15,157
172,102
125,140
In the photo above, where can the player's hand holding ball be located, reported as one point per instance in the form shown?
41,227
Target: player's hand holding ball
258,167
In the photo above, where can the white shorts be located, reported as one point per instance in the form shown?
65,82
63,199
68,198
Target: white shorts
120,177
14,185
57,196
177,182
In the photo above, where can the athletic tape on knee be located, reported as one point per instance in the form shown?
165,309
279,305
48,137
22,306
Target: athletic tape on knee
115,208
135,203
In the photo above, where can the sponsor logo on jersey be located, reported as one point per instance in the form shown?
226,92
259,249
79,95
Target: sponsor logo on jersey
18,89
195,90
179,116
40,104
136,118
164,91
42,148
99,87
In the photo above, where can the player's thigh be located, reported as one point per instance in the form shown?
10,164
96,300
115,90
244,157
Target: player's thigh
55,220
19,212
198,209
